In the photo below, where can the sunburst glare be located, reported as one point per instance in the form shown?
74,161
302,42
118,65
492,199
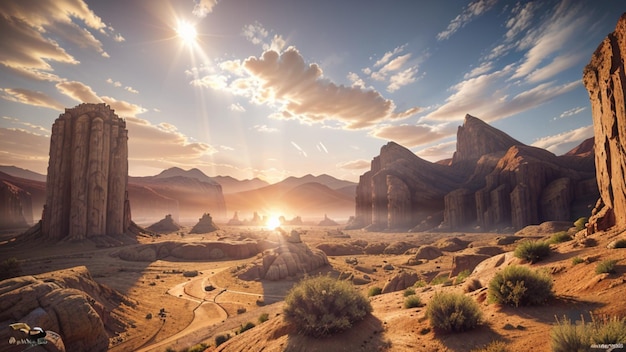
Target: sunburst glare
272,222
186,31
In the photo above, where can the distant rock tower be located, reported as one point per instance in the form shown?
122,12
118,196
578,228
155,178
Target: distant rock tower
86,193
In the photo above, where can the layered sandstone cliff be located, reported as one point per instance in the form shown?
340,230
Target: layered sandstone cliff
86,193
605,80
15,206
492,182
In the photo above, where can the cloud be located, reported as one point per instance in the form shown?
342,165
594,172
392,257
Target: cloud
413,135
572,112
257,34
203,7
469,13
131,89
264,129
520,19
123,108
360,164
302,93
237,107
563,142
83,93
30,30
438,152
402,79
37,128
391,68
30,97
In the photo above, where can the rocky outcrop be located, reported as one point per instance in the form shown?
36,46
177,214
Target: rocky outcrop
400,281
205,225
605,80
68,301
235,221
492,182
86,193
466,262
165,225
15,206
206,250
327,222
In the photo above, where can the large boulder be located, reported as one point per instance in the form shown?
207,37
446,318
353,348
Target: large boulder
605,80
401,281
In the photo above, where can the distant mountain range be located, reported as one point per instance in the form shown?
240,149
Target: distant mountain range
187,194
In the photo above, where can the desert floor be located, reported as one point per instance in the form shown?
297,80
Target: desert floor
194,315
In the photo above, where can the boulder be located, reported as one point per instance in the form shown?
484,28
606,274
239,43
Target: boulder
428,252
451,244
400,281
462,262
398,247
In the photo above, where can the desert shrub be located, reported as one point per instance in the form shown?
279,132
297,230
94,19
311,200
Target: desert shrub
606,266
453,312
620,243
441,280
532,251
198,348
321,306
519,285
420,283
374,291
9,268
264,317
559,237
493,346
460,277
473,285
241,310
409,292
247,326
170,349
412,301
220,339
580,223
577,260
567,336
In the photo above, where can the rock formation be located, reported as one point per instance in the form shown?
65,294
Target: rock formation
605,79
327,222
492,181
165,225
234,221
205,225
68,301
15,206
87,177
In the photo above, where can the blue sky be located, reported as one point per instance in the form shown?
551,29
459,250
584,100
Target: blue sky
277,88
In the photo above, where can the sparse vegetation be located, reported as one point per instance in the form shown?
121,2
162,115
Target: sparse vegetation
245,327
579,336
606,266
560,237
620,243
441,280
321,306
9,268
263,318
473,285
197,348
449,311
374,291
460,277
220,339
532,251
577,260
420,283
412,301
580,223
518,285
494,346
409,292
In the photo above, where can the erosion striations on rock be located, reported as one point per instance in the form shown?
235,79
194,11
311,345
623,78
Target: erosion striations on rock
86,193
15,206
493,181
605,80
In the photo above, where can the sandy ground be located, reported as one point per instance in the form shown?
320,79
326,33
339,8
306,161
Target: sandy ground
193,315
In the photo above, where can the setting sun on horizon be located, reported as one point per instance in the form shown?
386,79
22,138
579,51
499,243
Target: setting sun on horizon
273,222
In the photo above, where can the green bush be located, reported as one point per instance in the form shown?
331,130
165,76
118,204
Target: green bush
220,339
580,223
460,277
606,266
247,326
198,348
494,346
519,285
321,306
412,301
449,311
532,251
263,317
9,268
409,292
420,283
577,260
559,237
374,291
567,336
442,279
620,243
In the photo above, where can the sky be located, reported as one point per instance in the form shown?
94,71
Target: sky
279,88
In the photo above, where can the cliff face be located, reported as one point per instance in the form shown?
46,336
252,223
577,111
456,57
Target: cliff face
493,181
605,80
15,206
86,193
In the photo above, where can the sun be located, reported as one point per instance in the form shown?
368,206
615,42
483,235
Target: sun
186,32
272,222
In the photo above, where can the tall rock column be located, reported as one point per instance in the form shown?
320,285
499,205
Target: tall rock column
605,80
87,179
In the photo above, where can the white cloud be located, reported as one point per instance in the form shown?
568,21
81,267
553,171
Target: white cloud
131,89
360,164
203,7
413,135
572,112
438,152
265,129
237,107
473,10
563,142
30,97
